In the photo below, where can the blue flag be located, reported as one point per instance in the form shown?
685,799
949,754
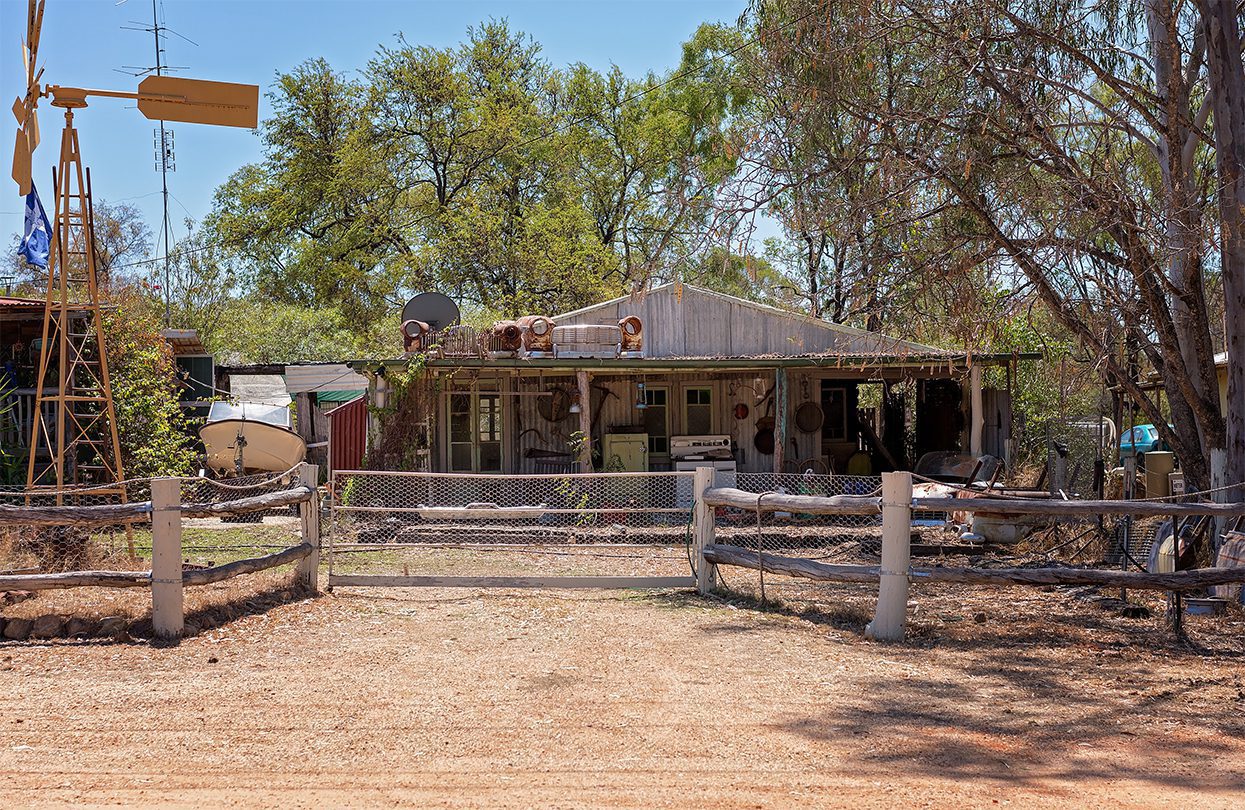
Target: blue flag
37,235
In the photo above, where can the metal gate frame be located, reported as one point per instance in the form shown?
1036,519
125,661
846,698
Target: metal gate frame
695,486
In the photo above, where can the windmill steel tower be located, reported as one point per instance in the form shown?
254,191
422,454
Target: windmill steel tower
75,423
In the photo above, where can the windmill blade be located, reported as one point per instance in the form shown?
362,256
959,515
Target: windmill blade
194,101
21,161
32,129
34,24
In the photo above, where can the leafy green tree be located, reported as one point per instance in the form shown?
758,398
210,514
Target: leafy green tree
154,434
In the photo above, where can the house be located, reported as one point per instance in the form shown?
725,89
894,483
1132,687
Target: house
759,388
21,336
196,371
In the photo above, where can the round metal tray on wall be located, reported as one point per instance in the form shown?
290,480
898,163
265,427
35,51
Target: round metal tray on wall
809,417
555,407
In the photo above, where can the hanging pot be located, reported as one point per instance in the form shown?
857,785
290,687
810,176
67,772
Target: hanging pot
741,411
763,440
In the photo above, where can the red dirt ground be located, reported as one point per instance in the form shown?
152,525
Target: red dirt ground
444,698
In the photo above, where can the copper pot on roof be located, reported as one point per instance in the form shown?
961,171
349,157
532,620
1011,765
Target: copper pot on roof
632,329
537,333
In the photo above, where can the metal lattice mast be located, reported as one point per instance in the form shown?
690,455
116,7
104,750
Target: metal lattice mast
75,423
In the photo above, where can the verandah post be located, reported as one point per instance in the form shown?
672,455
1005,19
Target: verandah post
167,606
309,513
892,608
702,529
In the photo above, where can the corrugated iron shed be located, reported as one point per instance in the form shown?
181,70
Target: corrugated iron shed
348,435
684,321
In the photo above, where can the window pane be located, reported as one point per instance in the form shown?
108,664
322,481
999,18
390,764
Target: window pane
490,418
460,457
699,420
460,427
490,457
834,409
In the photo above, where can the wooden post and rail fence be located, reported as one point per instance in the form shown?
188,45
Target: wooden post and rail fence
895,574
167,579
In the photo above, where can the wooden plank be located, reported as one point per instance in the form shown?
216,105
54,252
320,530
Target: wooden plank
75,579
382,581
206,576
1059,508
807,504
73,515
256,503
809,569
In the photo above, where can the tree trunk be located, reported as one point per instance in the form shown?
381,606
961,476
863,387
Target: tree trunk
1227,91
1183,219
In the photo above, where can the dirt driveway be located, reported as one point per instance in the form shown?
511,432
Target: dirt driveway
590,699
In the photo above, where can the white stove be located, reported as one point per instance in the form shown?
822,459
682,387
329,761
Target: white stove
690,452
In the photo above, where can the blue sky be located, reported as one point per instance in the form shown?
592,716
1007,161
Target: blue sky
84,44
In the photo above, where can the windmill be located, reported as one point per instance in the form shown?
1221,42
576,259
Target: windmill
74,425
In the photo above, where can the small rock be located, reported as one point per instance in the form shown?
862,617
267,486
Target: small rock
48,626
17,629
980,617
79,628
213,660
110,627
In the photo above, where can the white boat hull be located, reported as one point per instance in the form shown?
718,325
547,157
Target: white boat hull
268,448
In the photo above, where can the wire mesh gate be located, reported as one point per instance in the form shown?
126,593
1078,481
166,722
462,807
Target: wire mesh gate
600,530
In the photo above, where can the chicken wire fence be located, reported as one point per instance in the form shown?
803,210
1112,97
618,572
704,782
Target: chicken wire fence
797,534
616,523
406,523
127,546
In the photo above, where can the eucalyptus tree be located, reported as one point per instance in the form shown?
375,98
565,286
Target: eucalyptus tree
1060,145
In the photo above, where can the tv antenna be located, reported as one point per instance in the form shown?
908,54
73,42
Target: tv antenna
75,426
163,143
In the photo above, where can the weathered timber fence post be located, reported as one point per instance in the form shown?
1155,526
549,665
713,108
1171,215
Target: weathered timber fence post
888,619
1218,480
702,529
167,606
309,512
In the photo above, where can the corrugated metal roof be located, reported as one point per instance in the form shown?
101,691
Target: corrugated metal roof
683,320
184,341
339,396
7,301
305,378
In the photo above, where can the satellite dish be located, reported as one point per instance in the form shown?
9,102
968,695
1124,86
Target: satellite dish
434,309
